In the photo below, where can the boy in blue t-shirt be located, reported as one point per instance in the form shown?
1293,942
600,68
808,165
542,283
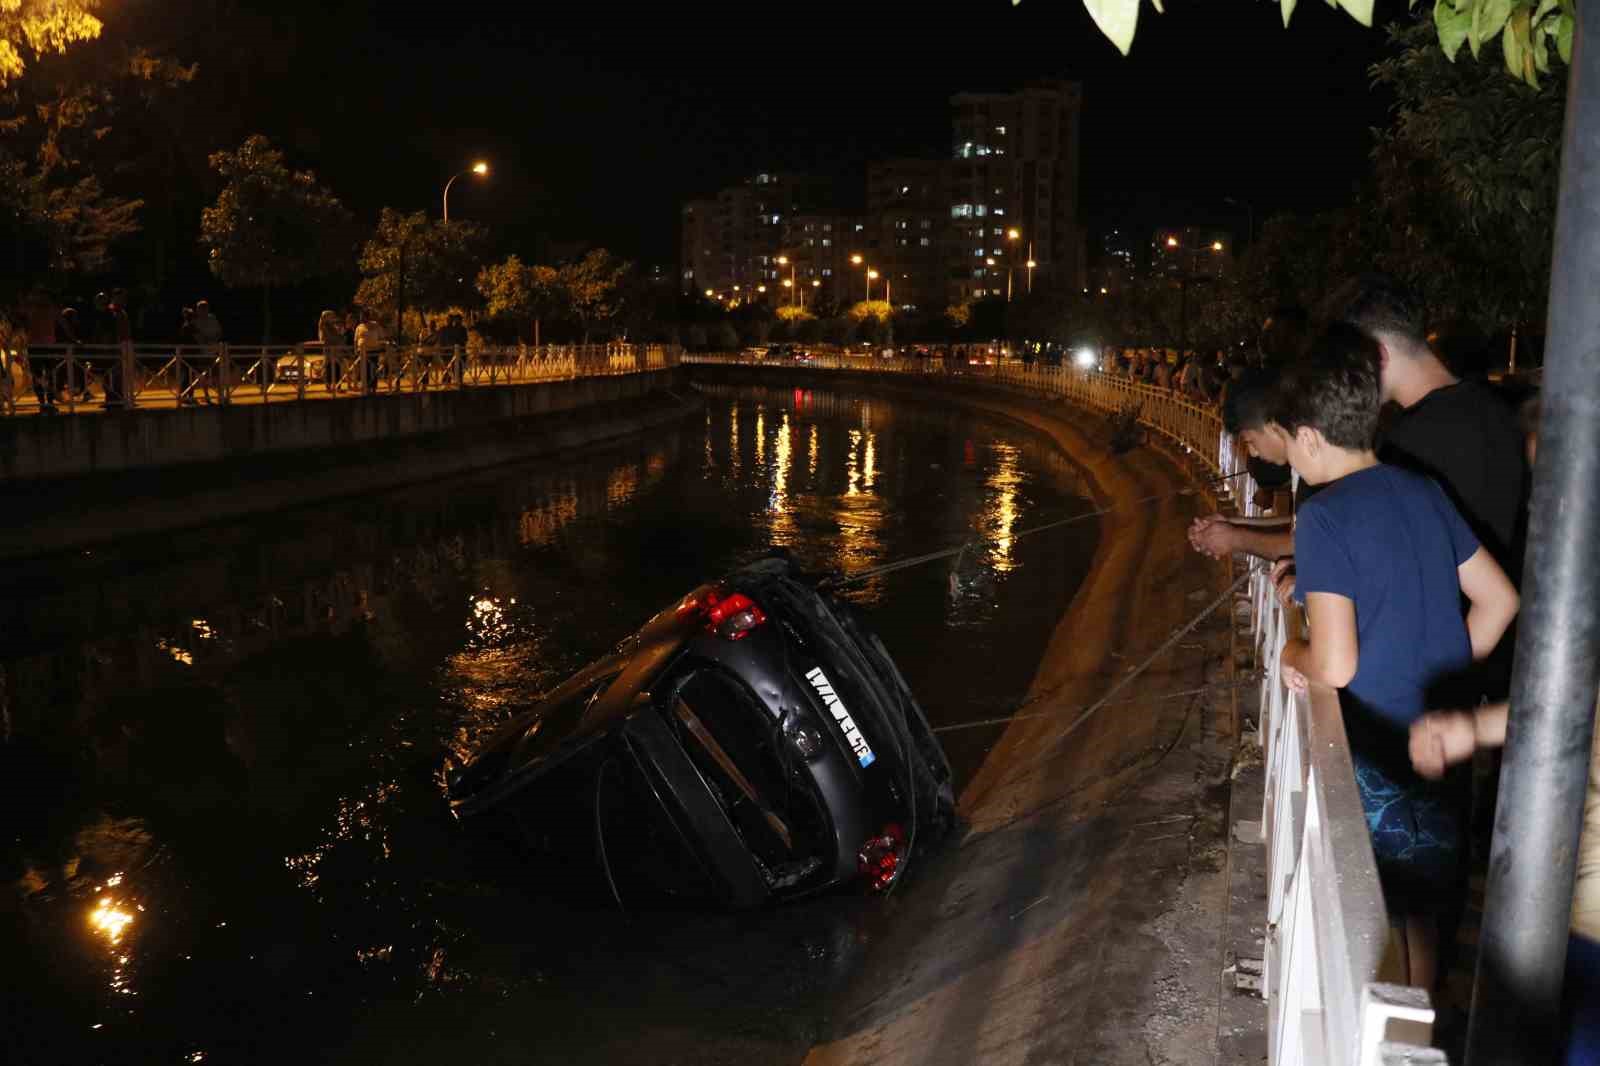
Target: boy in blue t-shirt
1383,562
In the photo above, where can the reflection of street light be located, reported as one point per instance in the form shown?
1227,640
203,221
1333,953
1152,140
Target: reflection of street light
479,168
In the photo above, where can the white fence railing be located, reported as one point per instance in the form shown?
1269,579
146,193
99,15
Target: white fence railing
71,378
1328,938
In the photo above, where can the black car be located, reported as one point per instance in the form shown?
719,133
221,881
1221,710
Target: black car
753,741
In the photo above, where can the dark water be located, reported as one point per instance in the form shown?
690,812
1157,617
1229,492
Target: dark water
224,838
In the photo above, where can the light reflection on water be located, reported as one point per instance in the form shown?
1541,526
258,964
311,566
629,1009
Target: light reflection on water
330,658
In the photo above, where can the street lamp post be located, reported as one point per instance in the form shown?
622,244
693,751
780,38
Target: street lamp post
1011,237
1183,288
871,274
783,260
1031,265
479,168
856,260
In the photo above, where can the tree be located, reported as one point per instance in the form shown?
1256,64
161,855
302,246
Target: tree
1527,29
438,263
271,226
518,296
592,287
40,27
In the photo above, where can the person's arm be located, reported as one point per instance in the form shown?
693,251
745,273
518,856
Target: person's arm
1221,536
1332,654
1440,739
1494,601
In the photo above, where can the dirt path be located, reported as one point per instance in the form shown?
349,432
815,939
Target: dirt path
1079,920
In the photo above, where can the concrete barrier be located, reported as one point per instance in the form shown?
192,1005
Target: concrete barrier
46,449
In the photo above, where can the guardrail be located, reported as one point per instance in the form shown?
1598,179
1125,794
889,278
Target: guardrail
1328,938
74,378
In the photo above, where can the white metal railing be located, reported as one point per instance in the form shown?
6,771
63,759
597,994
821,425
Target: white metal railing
1328,936
74,378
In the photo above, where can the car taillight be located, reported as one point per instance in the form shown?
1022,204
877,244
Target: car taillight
730,617
879,858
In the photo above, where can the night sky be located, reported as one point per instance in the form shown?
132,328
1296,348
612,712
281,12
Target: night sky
599,119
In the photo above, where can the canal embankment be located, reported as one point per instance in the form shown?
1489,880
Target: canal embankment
70,482
1079,918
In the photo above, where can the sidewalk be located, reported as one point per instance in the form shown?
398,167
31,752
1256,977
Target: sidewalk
1080,919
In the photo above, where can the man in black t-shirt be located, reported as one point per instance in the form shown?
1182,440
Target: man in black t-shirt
1458,432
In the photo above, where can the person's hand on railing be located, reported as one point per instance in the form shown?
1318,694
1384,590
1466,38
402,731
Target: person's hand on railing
1293,679
1283,581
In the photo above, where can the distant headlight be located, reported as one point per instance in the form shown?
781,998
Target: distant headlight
1084,357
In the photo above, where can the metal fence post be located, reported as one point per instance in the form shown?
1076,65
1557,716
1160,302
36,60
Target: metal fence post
224,364
1516,1000
129,382
300,358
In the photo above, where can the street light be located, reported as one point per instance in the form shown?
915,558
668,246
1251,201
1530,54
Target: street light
783,260
871,276
1012,235
1183,288
1031,265
480,168
710,293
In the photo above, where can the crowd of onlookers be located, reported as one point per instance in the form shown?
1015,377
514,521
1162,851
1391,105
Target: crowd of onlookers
1401,500
33,338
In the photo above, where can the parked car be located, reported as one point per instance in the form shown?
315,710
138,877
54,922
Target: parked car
753,741
286,368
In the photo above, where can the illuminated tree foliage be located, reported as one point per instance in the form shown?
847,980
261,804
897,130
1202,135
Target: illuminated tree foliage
517,296
439,261
33,28
593,289
1528,29
271,226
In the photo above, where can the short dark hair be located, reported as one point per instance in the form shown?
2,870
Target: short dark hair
1377,303
1334,390
1249,402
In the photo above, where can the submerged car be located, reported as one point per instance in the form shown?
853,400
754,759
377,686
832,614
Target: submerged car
752,742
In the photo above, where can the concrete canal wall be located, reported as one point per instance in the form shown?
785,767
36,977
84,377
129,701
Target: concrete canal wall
1080,917
72,481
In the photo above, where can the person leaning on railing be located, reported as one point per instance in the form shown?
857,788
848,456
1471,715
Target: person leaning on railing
1246,416
1442,739
1383,561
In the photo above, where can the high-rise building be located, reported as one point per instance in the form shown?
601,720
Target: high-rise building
729,243
1014,169
907,230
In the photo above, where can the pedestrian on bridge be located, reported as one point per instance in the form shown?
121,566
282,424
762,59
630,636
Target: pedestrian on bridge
208,333
330,334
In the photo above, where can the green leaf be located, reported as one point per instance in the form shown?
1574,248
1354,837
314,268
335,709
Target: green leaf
1488,19
1541,52
1117,19
1287,7
1360,10
1160,10
1544,8
1564,38
1453,23
1511,48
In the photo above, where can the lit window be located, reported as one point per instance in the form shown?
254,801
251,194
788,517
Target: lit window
981,210
998,231
998,251
978,273
827,227
998,191
809,227
977,252
826,243
860,227
926,242
903,242
827,272
905,190
958,211
999,210
927,223
1001,130
978,292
